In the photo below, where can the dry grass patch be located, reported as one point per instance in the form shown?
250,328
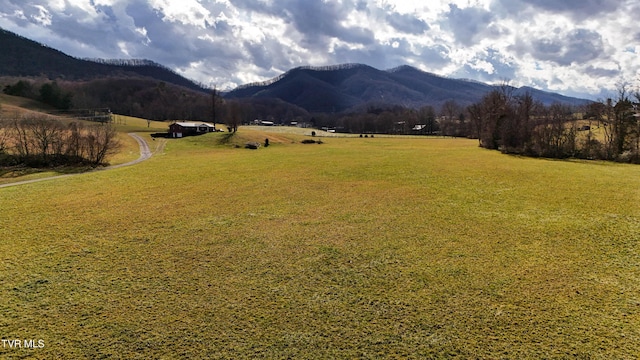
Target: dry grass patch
424,248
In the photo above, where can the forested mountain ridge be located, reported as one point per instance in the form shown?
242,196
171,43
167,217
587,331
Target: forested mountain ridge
21,57
352,86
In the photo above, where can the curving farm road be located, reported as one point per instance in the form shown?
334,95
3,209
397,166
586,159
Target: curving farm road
145,153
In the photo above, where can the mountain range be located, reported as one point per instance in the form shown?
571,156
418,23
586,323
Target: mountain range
330,89
354,86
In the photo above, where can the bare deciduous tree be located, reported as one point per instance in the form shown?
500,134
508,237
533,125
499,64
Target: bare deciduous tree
216,101
450,116
427,116
44,134
4,137
234,116
42,141
21,138
100,141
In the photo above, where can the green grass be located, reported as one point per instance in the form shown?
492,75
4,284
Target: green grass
355,248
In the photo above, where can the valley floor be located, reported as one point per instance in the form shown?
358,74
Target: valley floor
354,248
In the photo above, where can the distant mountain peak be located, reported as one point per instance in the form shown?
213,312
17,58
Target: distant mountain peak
409,68
401,68
328,68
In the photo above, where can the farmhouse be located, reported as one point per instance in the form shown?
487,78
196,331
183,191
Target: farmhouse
181,129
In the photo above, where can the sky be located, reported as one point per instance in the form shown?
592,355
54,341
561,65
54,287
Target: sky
583,48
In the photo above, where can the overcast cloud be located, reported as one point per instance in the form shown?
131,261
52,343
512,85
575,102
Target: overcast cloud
575,47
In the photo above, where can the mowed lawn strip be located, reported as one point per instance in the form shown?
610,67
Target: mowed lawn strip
383,247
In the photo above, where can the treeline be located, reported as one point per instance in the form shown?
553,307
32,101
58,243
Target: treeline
40,141
128,62
517,124
151,99
448,120
608,130
49,93
143,98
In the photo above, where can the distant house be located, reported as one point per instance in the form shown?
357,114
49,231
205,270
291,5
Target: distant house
263,122
182,129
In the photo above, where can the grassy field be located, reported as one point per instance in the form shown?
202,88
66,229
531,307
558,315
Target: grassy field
354,248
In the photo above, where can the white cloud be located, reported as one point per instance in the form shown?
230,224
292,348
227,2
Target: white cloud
42,16
188,12
123,48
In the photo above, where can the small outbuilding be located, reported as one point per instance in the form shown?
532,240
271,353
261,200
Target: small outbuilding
182,129
263,122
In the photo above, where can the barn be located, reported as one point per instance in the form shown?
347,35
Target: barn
182,129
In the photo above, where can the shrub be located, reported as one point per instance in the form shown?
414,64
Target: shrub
42,142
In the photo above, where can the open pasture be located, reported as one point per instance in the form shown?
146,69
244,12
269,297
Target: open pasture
355,248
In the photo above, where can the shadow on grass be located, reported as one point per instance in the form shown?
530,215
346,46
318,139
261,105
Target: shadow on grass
19,171
226,138
574,160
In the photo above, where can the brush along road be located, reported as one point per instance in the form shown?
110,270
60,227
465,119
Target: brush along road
145,153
